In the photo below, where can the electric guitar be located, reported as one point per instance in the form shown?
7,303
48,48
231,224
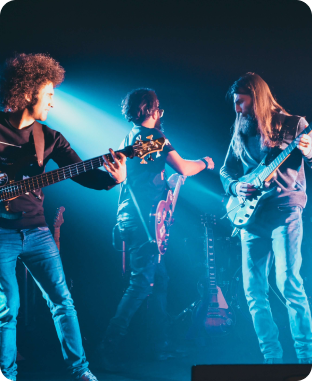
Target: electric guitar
12,184
241,210
161,217
58,221
212,309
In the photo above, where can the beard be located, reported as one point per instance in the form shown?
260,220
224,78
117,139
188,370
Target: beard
248,125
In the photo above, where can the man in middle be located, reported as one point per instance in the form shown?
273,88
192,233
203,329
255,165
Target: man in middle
144,187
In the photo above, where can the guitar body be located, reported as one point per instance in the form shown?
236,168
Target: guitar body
218,318
241,211
161,217
218,321
20,170
161,221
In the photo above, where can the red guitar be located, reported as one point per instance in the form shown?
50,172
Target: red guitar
58,221
218,317
162,219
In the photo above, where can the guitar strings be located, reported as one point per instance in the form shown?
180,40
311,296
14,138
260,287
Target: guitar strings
282,156
36,182
50,178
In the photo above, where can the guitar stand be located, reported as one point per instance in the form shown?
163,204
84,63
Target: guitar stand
190,308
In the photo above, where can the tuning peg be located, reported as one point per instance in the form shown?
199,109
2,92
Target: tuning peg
158,154
149,137
150,157
143,161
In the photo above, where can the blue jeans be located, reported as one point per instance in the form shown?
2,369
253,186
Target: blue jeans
3,307
148,277
276,233
40,255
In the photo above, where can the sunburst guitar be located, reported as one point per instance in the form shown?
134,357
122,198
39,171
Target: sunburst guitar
162,217
212,312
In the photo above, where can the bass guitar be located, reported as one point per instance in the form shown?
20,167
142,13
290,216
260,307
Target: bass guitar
162,217
13,185
241,210
212,309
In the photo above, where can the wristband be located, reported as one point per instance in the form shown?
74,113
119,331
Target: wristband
205,162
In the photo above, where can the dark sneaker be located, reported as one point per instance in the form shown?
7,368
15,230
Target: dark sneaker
306,360
273,360
87,376
105,359
168,350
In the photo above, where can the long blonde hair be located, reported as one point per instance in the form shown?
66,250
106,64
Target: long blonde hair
266,111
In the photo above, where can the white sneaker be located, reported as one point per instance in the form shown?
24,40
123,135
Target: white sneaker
87,376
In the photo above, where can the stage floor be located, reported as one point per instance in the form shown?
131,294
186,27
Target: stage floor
231,349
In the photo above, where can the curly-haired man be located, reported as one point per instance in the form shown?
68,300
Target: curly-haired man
26,95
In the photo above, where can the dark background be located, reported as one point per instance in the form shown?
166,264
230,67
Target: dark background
190,52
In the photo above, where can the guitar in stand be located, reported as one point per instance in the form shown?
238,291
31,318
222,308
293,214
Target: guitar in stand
58,221
211,313
161,218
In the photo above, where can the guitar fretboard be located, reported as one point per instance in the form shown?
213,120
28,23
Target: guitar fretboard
30,184
16,188
211,264
176,192
281,157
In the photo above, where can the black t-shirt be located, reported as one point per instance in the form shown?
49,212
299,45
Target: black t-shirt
147,181
16,147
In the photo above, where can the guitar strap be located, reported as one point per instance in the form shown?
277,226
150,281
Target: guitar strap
150,239
39,142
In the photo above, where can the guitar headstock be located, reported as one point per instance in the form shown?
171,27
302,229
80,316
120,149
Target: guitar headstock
58,219
208,220
142,148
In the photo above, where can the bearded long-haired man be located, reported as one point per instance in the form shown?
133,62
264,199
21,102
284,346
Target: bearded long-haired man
262,127
26,95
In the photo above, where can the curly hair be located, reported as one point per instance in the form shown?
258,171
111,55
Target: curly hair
139,104
26,74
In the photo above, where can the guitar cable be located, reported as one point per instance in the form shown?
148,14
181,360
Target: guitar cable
272,289
276,294
150,239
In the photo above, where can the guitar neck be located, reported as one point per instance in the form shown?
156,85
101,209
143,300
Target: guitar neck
210,263
30,184
281,157
57,235
176,192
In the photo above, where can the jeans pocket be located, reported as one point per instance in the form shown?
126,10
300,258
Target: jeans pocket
43,228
